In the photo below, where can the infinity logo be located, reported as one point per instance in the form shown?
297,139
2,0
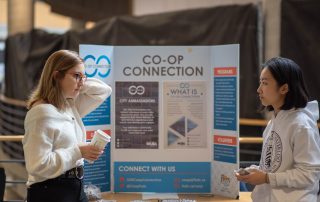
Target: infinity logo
184,85
102,66
134,90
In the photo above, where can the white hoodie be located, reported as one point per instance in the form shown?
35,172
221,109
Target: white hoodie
52,136
291,156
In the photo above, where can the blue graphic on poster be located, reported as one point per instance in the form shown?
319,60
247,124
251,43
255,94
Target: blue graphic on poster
100,116
225,99
162,177
98,63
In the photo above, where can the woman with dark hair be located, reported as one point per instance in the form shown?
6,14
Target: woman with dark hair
289,168
54,143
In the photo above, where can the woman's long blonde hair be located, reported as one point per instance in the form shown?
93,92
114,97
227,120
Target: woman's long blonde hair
48,89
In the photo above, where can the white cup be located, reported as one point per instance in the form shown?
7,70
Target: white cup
100,139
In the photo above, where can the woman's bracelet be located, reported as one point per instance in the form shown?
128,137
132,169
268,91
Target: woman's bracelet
267,178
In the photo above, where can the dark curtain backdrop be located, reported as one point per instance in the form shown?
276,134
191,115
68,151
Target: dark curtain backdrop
300,39
90,10
26,53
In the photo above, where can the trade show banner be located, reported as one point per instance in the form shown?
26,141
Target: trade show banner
174,115
97,62
225,85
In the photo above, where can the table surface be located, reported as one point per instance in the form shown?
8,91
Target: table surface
126,197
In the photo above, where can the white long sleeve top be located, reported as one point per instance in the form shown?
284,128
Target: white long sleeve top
291,156
52,137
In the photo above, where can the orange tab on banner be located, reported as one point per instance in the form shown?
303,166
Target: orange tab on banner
227,140
225,71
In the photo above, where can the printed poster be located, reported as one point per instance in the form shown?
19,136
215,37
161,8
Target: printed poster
137,116
185,112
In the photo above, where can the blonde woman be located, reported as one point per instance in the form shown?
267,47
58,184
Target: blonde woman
55,138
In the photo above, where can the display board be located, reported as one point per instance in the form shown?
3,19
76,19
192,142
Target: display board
98,65
174,117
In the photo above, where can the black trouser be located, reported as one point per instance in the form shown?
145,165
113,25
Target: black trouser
57,190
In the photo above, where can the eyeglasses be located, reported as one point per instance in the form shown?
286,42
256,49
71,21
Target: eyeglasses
79,77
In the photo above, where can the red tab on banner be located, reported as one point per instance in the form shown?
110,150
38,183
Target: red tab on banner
225,71
227,140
